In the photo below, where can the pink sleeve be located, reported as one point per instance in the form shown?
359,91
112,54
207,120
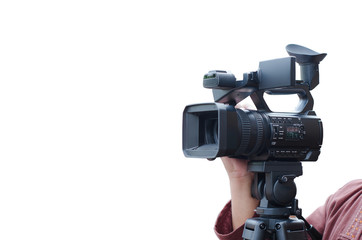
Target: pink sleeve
318,218
339,217
224,228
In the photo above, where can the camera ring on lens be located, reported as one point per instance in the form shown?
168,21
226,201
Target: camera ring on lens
259,133
245,131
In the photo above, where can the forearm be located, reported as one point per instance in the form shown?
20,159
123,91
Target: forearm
242,203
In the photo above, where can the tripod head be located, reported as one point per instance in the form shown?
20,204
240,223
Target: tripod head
274,186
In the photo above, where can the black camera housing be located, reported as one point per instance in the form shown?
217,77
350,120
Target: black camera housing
218,129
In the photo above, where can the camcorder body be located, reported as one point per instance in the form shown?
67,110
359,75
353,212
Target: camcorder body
212,130
275,143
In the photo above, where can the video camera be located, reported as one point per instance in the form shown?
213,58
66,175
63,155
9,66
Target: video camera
211,130
275,143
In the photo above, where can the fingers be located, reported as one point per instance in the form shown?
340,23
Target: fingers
246,105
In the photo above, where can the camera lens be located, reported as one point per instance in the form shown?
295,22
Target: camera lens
252,134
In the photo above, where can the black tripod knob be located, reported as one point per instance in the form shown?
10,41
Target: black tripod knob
285,190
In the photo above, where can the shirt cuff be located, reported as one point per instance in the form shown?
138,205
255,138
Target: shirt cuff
224,227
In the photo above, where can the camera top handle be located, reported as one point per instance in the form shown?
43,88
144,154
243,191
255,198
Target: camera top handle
275,76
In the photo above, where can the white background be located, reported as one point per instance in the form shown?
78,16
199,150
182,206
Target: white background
91,101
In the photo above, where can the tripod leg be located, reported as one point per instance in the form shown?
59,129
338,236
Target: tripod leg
255,229
290,229
280,229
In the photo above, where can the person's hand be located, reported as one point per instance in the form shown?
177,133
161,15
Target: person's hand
242,203
237,169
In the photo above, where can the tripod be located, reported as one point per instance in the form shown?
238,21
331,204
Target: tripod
280,217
